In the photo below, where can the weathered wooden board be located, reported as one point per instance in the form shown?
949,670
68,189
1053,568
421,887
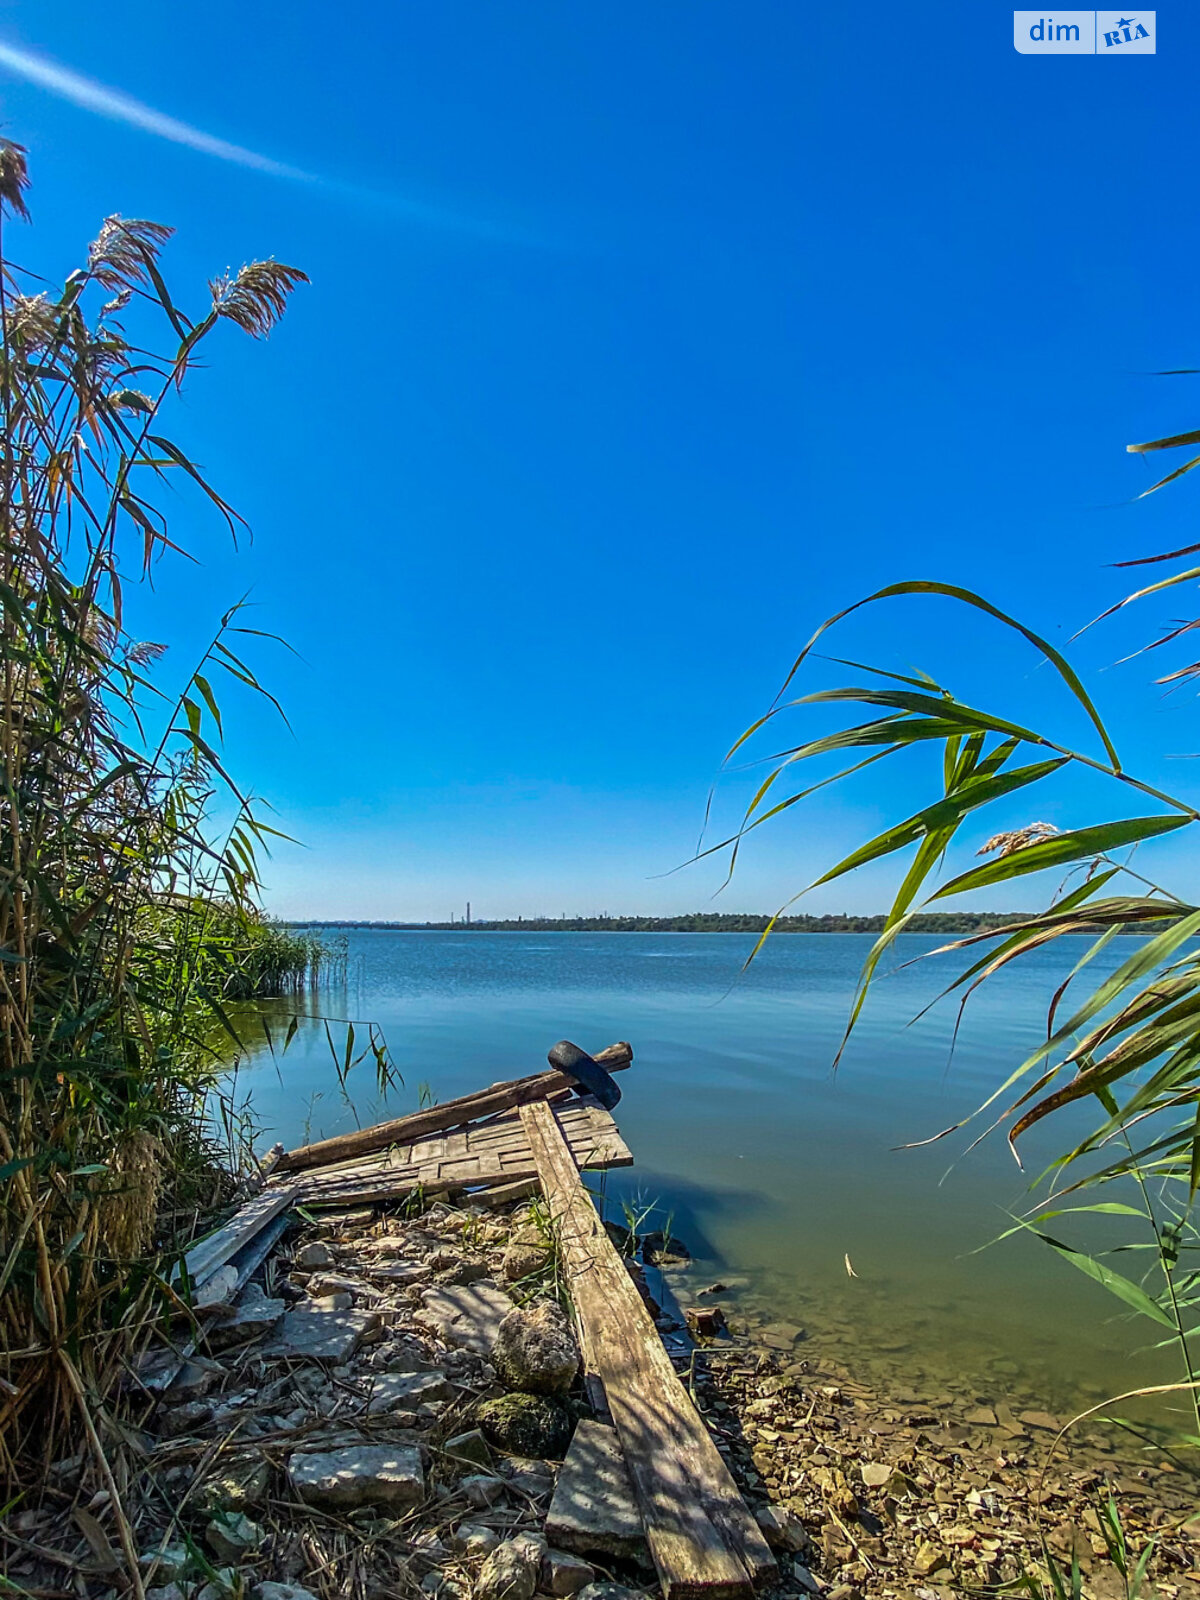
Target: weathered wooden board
212,1253
499,1152
420,1124
704,1541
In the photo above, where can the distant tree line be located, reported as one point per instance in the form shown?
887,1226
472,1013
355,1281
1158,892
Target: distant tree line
950,922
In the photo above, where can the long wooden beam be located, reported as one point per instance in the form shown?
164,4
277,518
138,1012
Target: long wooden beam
434,1119
704,1541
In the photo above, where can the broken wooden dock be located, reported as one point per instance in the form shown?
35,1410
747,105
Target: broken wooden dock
541,1131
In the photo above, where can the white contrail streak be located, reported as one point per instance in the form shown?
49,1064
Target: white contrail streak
120,107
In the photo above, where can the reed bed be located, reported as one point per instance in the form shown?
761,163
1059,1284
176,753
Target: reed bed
127,920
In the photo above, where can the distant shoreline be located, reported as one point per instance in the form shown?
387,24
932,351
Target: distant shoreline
950,922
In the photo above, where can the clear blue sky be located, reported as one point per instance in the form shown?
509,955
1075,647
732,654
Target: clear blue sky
639,339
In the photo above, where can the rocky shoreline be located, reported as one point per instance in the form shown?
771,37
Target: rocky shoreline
386,1410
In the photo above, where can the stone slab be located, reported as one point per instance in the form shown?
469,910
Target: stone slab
397,1272
360,1475
593,1509
313,1334
405,1390
467,1315
253,1315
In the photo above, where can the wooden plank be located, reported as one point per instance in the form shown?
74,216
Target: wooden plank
704,1541
419,1124
590,1130
502,1193
207,1257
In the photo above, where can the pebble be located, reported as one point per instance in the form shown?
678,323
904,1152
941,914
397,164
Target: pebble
232,1536
782,1528
314,1256
482,1489
930,1558
473,1539
408,1389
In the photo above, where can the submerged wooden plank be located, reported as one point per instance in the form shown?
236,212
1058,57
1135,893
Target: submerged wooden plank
704,1541
420,1124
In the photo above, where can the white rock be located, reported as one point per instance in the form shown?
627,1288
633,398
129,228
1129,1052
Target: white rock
482,1490
469,1315
782,1529
805,1578
169,1563
232,1535
316,1335
253,1315
338,1300
427,1551
535,1349
216,1290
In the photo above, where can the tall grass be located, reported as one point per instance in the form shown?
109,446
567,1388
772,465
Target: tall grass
127,918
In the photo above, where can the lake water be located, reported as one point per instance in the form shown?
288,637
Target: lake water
768,1165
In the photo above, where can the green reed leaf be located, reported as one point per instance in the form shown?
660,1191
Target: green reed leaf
1061,850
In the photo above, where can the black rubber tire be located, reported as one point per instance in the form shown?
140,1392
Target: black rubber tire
589,1076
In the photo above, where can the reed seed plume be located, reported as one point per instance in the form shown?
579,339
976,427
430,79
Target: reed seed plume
1003,844
14,177
255,297
124,251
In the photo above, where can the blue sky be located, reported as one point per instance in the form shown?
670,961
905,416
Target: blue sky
638,341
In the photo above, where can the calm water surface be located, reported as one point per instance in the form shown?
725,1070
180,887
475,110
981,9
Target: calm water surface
770,1167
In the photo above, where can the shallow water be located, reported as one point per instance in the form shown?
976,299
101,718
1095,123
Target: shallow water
766,1163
